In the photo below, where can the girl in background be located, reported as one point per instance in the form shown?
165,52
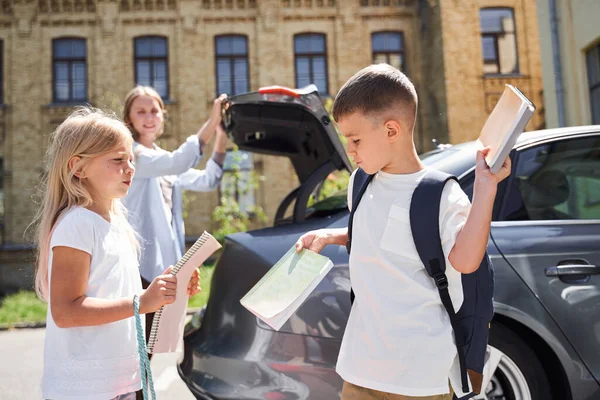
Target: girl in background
154,202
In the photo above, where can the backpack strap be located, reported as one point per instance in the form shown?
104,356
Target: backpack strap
359,185
425,227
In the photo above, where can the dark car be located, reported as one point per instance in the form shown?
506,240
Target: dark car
545,247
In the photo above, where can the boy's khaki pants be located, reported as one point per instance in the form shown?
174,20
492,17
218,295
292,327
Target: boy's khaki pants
353,392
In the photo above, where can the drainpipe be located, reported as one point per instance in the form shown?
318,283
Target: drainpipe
560,98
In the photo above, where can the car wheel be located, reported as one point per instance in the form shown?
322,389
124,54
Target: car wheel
516,372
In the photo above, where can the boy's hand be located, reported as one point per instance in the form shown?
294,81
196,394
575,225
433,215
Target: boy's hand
484,176
161,291
313,240
193,287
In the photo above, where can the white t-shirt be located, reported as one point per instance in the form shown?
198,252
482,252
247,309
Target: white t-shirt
94,362
398,338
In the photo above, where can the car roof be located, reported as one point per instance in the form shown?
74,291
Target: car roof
527,138
539,136
452,159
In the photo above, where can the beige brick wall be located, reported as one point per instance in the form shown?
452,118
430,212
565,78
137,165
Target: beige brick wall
471,96
443,58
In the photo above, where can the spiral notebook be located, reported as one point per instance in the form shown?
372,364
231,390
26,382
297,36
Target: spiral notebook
166,335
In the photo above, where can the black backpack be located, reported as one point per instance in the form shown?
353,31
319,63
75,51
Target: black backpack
471,322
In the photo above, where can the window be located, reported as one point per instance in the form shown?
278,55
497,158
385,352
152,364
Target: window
556,181
388,47
151,63
310,55
69,69
237,179
498,41
593,68
231,53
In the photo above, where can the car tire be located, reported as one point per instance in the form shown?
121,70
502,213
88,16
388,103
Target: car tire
517,362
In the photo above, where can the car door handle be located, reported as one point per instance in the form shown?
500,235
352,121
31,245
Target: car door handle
566,270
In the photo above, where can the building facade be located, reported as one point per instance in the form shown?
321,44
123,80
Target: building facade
55,54
570,46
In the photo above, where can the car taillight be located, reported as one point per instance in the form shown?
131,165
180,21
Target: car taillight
274,396
282,90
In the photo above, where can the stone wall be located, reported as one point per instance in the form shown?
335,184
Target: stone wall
442,57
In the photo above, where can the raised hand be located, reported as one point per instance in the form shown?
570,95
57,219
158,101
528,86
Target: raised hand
483,174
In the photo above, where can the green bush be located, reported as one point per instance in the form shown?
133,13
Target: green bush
24,306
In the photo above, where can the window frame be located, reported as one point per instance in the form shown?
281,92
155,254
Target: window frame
312,56
232,58
496,47
70,63
595,86
387,54
151,60
506,187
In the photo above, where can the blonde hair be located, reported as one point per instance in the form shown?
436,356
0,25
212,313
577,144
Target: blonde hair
134,94
87,133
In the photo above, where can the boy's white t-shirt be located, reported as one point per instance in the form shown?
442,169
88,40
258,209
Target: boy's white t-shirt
94,362
398,338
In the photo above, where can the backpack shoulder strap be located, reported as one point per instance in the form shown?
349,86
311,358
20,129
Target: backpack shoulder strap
359,185
425,220
425,227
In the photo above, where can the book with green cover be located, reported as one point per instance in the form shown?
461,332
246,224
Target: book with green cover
285,287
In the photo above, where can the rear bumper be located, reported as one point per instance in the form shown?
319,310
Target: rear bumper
278,366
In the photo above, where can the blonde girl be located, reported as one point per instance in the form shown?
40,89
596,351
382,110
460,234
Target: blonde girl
87,265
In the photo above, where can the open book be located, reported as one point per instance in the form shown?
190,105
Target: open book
166,335
285,287
504,125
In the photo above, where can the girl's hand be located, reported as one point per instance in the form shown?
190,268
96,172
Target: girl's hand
193,287
484,178
215,114
162,290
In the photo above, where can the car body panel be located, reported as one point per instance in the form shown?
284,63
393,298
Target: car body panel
572,305
515,301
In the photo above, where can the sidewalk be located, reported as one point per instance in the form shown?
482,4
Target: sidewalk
21,368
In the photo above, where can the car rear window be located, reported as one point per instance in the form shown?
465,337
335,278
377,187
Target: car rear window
433,156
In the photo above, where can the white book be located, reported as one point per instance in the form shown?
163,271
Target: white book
166,334
504,125
286,286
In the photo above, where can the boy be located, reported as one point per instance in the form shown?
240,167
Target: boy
398,342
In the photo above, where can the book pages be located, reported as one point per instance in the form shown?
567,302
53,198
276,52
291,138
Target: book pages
287,284
504,125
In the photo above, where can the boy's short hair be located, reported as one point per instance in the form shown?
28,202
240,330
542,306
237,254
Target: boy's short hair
376,90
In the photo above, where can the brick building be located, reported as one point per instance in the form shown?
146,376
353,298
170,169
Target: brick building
55,54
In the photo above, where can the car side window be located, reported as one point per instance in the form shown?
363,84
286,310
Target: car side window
555,181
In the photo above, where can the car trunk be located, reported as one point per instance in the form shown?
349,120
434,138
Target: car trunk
286,123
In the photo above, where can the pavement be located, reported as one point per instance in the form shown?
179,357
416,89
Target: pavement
21,367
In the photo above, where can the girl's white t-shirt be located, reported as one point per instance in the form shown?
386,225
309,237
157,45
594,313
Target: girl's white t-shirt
398,338
94,362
